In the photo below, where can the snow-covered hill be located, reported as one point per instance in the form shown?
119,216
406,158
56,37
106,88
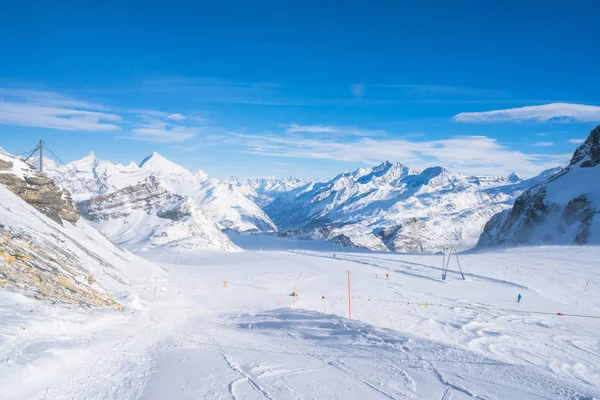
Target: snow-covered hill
562,210
393,207
221,201
48,252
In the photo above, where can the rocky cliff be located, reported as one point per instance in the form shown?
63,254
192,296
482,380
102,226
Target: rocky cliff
38,191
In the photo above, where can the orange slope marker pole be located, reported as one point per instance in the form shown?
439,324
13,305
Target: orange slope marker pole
349,298
294,294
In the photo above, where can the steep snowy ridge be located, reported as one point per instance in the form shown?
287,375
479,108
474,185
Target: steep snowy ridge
220,201
393,207
562,210
50,255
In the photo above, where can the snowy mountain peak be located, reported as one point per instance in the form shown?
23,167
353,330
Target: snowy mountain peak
588,154
90,156
151,158
159,164
383,166
514,177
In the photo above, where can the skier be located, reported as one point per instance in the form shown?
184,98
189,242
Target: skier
519,297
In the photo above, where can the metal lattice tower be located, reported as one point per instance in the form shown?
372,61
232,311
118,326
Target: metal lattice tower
40,148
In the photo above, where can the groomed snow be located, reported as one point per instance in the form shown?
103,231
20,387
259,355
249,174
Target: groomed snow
202,339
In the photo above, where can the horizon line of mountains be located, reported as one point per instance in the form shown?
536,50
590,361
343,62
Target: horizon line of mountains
389,207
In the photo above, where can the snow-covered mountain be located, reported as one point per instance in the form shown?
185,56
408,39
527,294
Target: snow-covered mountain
147,215
562,210
48,252
264,190
393,207
221,201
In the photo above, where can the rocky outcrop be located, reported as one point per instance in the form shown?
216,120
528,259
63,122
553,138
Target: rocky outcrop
40,192
588,154
145,196
47,273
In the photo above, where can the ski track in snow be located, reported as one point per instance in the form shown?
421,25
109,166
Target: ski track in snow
239,342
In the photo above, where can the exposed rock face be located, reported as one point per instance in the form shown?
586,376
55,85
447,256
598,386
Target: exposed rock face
562,210
588,154
40,192
144,196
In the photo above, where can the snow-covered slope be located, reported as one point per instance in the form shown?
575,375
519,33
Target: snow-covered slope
562,210
48,252
219,200
393,207
147,215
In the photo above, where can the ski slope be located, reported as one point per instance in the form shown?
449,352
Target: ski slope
201,339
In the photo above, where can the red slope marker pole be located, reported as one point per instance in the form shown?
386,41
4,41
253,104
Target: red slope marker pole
155,282
349,298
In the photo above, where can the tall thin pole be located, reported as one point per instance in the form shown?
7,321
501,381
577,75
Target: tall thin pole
458,262
41,155
349,298
294,294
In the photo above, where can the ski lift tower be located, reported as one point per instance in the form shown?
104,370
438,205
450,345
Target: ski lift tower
448,251
40,148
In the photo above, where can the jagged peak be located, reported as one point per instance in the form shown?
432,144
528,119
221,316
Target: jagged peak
91,155
383,166
588,154
514,177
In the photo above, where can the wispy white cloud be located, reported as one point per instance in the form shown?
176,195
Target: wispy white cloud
169,134
543,144
559,112
176,117
47,99
338,130
576,141
161,130
69,119
43,109
472,154
293,128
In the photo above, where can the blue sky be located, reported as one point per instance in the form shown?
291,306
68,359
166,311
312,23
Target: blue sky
312,88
